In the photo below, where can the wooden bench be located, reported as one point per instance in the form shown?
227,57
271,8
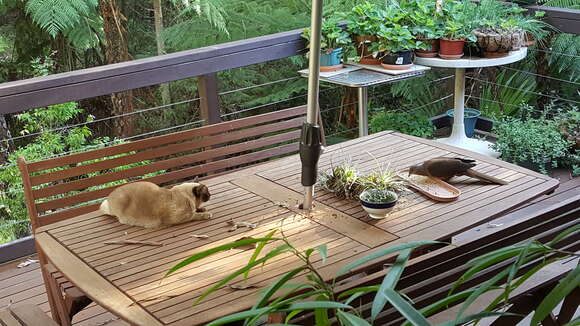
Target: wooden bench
64,187
24,315
428,278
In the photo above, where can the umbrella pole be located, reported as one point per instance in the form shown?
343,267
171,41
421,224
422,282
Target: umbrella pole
313,79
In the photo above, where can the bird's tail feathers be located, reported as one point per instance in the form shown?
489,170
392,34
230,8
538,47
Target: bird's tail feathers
484,177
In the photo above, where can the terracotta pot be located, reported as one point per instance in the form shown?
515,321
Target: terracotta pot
497,45
366,56
400,60
433,48
451,49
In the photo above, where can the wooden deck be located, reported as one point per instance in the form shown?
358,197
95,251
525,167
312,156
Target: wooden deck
24,285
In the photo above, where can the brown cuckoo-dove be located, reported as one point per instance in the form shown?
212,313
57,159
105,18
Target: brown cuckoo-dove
448,167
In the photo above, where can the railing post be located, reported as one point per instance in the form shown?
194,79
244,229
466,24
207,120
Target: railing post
208,93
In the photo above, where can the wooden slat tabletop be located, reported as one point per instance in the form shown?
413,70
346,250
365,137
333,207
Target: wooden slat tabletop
128,279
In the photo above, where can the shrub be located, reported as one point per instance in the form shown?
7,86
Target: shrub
407,123
533,142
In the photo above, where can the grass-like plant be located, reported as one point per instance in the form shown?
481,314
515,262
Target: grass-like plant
346,182
304,289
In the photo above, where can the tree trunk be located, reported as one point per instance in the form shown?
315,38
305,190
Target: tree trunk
158,12
116,50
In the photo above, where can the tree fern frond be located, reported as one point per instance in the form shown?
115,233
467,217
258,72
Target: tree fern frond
55,16
572,4
564,58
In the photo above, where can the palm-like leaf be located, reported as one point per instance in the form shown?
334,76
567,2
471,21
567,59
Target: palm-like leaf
56,16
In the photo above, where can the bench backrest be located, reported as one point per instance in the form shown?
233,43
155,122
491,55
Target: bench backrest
67,186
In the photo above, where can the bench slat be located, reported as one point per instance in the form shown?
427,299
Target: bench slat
157,152
165,139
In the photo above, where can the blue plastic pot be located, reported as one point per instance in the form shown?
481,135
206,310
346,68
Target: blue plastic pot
330,59
469,121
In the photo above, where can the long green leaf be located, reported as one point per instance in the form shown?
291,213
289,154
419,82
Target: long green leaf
442,304
258,249
276,286
516,267
403,307
390,282
492,260
349,319
284,300
484,287
558,293
291,315
520,281
564,234
310,305
481,315
323,251
235,274
321,314
362,289
238,316
212,251
384,252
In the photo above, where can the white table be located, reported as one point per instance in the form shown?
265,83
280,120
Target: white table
458,137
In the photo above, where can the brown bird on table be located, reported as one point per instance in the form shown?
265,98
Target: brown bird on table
448,167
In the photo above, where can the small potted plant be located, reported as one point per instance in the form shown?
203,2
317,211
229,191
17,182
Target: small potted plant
456,31
497,37
534,143
427,27
333,39
378,202
363,23
469,120
395,46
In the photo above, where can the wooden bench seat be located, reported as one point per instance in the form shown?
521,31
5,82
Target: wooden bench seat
24,315
64,187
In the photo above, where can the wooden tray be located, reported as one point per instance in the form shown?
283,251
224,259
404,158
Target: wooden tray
433,188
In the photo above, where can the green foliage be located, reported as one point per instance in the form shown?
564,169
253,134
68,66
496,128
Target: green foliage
427,22
364,19
458,23
12,205
407,123
56,16
332,35
533,140
395,38
342,180
378,196
508,92
346,182
320,296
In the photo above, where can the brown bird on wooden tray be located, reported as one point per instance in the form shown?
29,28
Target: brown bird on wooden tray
448,167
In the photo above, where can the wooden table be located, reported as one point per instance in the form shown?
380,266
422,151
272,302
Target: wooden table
127,279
